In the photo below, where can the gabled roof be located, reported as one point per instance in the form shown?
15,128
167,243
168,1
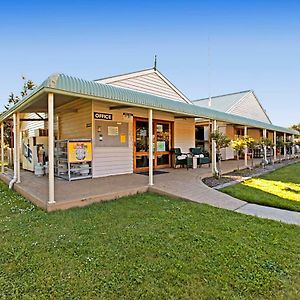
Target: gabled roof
61,84
230,103
222,102
119,80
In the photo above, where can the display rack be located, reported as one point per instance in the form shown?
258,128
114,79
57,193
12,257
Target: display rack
73,159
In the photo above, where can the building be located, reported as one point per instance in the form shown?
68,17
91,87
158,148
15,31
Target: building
245,104
117,125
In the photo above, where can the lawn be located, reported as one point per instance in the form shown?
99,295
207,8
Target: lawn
144,247
280,188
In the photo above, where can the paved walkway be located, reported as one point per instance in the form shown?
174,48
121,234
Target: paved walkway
181,183
193,189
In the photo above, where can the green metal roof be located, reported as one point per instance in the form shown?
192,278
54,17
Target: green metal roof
61,83
222,102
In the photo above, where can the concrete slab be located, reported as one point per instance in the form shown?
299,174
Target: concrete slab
285,216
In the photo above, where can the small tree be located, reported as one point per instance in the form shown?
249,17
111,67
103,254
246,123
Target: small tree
251,144
239,146
222,141
13,99
265,142
280,145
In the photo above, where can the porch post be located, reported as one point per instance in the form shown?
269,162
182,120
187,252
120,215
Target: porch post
274,141
15,147
150,126
2,147
246,148
18,152
51,147
213,150
265,147
293,145
284,146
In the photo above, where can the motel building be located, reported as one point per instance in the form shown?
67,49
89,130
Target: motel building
77,131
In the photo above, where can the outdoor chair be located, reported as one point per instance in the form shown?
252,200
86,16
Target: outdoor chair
201,155
181,159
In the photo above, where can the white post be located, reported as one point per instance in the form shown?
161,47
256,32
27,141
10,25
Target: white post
214,150
2,147
18,144
265,147
284,146
275,149
15,154
246,148
293,145
51,147
150,126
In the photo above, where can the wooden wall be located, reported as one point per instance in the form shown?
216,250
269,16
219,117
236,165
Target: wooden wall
73,124
31,126
148,83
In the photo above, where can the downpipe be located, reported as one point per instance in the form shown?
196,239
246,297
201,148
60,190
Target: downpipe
12,182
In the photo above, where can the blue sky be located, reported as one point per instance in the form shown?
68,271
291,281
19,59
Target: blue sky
253,44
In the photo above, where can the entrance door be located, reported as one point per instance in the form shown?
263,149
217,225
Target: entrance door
162,140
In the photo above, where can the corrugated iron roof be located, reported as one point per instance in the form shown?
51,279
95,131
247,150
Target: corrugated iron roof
222,102
61,83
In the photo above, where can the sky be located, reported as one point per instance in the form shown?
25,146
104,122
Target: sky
203,47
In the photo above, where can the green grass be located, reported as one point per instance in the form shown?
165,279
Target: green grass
144,247
280,189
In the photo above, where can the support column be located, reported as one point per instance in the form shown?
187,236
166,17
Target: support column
51,147
275,148
150,126
293,145
246,148
213,150
265,147
2,147
284,147
15,147
18,144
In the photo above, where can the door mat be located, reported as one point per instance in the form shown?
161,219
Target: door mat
154,173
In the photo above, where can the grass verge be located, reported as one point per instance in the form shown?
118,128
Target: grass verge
146,246
280,189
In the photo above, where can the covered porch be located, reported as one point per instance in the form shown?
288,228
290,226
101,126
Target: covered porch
106,116
70,194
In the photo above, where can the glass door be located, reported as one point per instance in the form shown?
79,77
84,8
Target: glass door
141,144
161,144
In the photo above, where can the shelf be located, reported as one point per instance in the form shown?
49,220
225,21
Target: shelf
71,170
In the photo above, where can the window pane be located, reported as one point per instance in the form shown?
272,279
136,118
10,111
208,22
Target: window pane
142,136
163,159
142,162
162,137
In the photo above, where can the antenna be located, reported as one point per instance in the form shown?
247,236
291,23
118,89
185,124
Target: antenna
155,62
209,72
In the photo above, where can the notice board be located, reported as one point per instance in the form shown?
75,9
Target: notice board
111,134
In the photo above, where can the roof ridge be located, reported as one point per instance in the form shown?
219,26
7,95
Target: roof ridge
229,94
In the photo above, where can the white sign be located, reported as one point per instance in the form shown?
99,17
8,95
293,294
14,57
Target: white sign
113,130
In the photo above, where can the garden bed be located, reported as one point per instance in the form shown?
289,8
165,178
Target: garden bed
240,175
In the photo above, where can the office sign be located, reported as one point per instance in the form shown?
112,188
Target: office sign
102,116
